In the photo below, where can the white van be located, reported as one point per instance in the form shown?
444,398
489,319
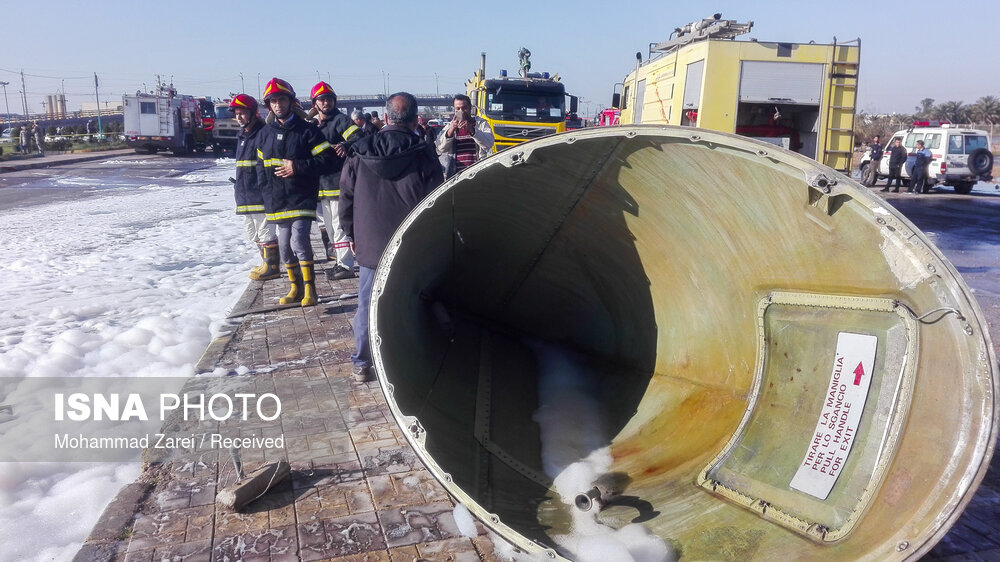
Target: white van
961,158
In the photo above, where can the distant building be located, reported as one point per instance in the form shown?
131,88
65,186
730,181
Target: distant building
55,106
111,106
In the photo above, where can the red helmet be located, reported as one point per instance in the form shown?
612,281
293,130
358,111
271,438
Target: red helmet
278,86
244,101
322,89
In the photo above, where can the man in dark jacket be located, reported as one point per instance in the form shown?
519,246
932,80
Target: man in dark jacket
387,176
918,174
361,119
292,154
340,133
247,188
897,157
871,178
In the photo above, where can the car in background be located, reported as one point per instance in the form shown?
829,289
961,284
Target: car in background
961,157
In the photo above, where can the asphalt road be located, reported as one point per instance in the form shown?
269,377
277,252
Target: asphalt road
57,182
966,228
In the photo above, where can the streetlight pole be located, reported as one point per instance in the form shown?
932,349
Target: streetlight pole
243,87
97,95
4,85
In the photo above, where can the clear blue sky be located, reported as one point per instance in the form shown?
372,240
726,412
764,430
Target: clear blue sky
909,50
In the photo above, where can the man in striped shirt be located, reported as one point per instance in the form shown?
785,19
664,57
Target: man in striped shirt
466,140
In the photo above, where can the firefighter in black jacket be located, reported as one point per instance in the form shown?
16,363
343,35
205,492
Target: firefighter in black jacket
247,188
292,154
340,132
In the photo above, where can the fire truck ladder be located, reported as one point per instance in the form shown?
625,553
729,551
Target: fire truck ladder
163,111
838,149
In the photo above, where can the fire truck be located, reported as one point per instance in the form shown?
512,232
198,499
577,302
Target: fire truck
520,109
800,96
164,120
609,117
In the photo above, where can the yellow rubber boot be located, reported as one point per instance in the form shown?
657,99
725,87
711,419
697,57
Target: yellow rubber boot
256,272
308,284
272,269
296,280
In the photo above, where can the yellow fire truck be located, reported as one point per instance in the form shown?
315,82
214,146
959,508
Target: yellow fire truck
519,108
800,96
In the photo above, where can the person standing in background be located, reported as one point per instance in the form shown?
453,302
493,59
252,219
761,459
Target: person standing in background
897,157
385,178
921,159
292,154
466,140
876,151
340,132
247,188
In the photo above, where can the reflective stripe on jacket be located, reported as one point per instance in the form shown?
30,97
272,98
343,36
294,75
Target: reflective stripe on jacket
337,129
300,141
249,198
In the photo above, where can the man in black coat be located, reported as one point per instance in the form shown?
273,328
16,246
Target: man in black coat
340,132
292,154
871,178
386,177
897,157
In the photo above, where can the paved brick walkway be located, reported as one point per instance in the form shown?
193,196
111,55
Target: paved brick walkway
357,492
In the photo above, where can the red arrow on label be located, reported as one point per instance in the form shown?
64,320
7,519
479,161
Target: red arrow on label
859,372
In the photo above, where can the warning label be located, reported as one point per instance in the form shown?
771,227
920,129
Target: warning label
838,422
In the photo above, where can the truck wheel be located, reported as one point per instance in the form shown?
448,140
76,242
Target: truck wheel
964,187
217,150
182,150
980,161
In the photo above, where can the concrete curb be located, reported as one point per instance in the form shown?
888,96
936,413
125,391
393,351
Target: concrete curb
215,350
60,160
109,532
112,527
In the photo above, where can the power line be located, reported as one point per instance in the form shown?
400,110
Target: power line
49,77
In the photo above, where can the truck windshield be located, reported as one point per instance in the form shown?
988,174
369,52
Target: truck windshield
524,105
224,112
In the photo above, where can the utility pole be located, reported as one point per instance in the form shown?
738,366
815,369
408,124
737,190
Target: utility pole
24,96
4,85
97,95
436,89
243,87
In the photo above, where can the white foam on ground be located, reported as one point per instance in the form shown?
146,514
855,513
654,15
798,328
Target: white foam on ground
575,452
464,521
135,282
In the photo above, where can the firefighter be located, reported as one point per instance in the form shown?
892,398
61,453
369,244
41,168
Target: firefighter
292,154
340,132
247,188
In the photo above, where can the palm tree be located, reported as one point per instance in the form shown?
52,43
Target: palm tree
953,111
987,110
